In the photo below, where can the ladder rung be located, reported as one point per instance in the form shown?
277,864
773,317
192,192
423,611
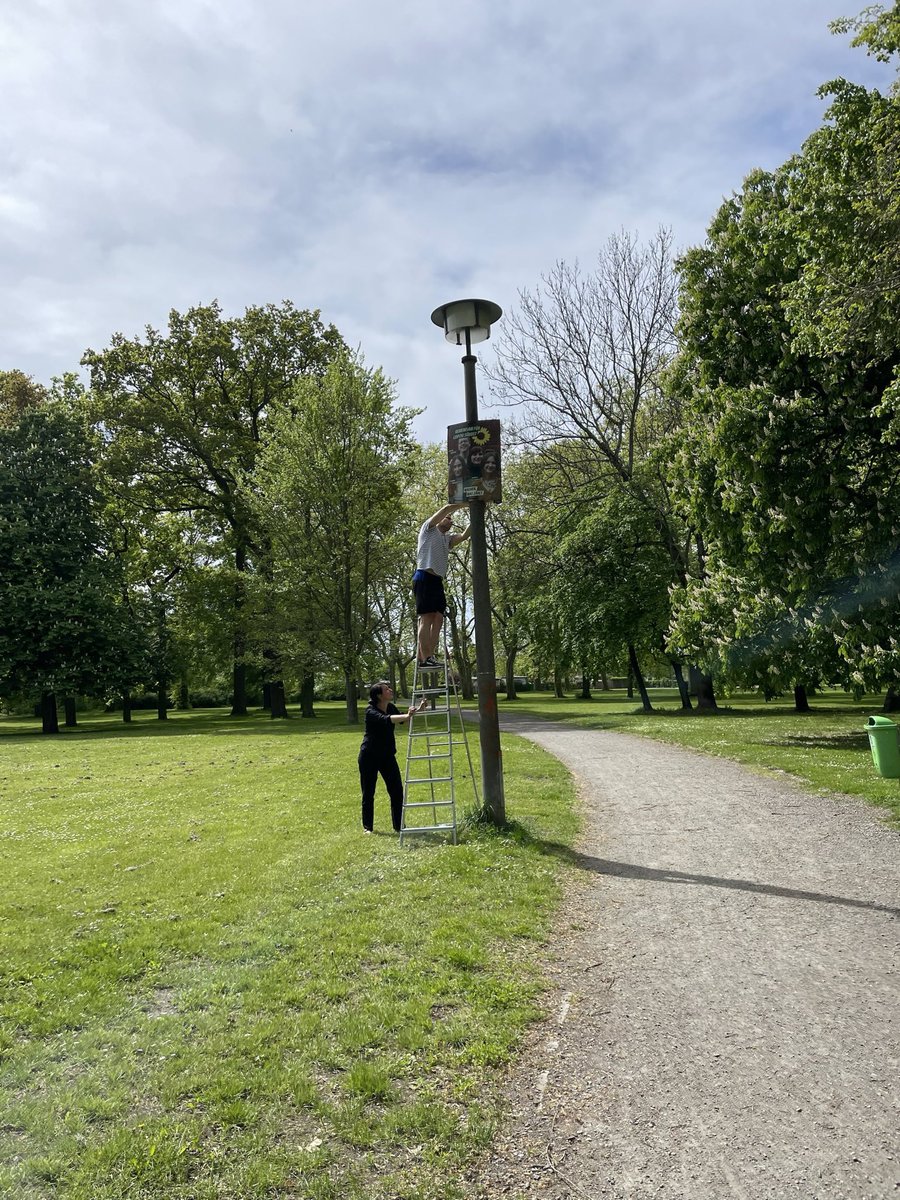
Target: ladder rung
442,690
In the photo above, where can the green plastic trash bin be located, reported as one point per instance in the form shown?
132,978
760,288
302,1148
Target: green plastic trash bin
884,738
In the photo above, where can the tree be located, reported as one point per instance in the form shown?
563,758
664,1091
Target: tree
583,356
332,478
584,359
19,393
184,415
613,581
788,376
522,559
752,639
64,629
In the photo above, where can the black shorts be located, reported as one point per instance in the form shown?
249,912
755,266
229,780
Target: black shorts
429,593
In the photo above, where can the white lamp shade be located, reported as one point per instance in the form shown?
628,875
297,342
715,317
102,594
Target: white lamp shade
461,316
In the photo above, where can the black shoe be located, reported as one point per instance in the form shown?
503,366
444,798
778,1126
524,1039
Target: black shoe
431,662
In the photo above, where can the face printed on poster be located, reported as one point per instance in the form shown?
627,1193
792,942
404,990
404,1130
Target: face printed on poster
473,460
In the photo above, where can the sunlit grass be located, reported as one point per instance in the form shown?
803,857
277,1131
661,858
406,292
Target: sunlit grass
215,986
826,749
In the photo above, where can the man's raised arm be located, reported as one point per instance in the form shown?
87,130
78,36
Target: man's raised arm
446,511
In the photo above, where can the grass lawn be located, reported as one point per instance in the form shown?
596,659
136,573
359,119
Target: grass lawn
213,985
827,749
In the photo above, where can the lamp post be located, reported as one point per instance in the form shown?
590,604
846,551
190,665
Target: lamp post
465,322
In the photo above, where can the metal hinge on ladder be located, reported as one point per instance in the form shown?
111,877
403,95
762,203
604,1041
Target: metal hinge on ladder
429,782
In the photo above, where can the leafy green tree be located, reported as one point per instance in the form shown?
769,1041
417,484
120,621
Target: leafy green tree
19,393
157,558
752,639
332,478
614,578
394,625
184,415
522,559
788,377
64,630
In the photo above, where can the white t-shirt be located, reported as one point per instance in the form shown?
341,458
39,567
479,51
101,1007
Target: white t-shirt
433,550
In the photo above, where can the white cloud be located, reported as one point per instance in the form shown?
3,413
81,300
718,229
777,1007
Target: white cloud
370,160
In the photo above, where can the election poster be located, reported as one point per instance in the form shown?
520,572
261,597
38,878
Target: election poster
473,460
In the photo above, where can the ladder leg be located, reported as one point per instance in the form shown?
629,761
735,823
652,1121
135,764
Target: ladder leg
438,746
465,737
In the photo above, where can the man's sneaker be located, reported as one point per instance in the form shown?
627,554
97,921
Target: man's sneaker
430,661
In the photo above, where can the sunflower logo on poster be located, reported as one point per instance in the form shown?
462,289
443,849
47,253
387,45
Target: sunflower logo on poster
473,461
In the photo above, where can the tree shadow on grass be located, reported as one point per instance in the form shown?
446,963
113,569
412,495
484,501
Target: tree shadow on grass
185,725
725,712
838,741
620,721
620,870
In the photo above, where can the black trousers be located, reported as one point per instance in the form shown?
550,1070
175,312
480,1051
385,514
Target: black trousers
370,766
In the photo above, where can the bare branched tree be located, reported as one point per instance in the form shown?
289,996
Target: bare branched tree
581,359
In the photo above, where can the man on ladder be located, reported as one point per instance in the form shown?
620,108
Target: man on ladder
432,683
436,540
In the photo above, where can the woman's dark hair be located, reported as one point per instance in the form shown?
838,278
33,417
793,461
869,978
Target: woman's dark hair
375,692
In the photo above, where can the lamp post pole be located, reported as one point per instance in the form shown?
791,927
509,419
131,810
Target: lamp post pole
488,723
465,322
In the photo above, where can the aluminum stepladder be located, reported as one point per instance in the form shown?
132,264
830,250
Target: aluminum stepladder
429,751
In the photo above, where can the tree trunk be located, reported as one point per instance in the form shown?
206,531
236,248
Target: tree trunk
683,691
511,693
239,684
466,682
351,691
558,689
401,673
49,716
239,692
307,695
639,678
629,686
585,682
465,668
162,677
801,701
604,682
126,707
69,706
162,698
702,687
184,694
891,701
267,697
278,704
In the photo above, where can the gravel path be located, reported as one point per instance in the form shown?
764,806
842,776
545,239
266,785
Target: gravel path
725,1016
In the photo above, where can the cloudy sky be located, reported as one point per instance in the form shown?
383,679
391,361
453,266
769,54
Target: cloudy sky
372,160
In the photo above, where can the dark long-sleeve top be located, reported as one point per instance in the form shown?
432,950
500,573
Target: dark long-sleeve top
378,740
